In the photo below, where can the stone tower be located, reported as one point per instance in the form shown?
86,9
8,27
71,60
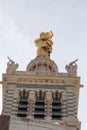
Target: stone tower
40,98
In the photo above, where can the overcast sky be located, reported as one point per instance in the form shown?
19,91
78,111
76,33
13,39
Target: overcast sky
21,22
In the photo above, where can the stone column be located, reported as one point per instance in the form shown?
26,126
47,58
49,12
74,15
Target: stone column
48,102
31,100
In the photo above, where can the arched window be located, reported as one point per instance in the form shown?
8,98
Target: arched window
23,103
39,111
56,105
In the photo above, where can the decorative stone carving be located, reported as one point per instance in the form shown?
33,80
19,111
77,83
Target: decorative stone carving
42,65
11,66
72,68
44,43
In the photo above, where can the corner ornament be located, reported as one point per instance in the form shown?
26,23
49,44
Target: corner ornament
72,68
44,43
11,66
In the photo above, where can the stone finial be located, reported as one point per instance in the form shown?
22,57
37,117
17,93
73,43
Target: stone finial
11,66
44,43
72,68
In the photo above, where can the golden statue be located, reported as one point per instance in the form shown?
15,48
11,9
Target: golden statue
44,43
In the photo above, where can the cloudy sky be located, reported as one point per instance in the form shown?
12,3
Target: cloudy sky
21,21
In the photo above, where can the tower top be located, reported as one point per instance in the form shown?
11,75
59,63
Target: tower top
44,43
41,94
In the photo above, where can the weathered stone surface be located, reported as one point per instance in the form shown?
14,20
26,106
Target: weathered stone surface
4,122
18,124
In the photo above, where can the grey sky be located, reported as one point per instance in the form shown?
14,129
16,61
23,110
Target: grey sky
21,21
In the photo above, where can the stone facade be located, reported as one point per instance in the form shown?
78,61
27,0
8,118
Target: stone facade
41,97
26,124
23,90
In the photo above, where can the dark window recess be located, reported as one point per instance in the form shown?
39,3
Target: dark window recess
56,116
39,103
56,109
39,111
38,116
21,114
23,103
22,108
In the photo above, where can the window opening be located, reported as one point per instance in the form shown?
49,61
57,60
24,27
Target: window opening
56,105
39,111
23,103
